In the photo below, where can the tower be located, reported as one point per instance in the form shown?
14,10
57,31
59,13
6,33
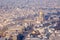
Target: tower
40,17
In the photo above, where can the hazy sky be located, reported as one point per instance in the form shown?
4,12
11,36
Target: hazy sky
31,3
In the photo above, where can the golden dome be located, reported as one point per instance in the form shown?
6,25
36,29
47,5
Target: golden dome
41,13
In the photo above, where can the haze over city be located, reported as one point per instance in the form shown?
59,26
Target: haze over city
29,19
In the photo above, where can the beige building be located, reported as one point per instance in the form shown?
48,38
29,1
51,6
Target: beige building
40,18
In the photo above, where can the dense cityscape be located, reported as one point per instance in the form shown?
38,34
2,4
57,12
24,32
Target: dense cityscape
29,20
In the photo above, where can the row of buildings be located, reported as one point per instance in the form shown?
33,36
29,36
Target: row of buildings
42,26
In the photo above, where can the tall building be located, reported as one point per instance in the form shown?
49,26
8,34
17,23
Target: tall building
40,17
